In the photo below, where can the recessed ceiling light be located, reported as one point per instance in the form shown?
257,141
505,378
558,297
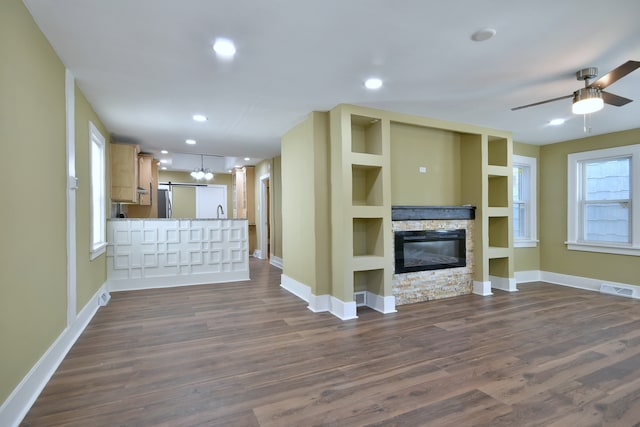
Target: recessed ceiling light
556,122
164,161
164,152
482,35
164,168
373,83
224,48
190,141
199,118
246,159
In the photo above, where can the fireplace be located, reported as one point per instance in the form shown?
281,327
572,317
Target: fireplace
423,250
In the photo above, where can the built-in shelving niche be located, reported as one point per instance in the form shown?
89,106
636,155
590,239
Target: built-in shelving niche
498,191
499,232
499,267
369,280
367,185
366,135
497,151
368,237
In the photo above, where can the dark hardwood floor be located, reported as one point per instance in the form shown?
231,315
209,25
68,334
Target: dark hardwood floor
251,354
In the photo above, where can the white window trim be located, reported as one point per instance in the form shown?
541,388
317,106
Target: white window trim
531,163
100,247
573,178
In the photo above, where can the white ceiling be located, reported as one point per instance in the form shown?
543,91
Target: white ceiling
147,66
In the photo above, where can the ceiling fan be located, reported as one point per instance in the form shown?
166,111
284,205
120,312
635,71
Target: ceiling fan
592,97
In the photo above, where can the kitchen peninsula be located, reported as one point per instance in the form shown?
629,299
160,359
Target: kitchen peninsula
156,253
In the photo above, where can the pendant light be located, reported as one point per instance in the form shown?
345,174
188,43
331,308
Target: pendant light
202,173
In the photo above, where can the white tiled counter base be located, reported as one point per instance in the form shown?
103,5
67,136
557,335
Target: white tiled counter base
154,253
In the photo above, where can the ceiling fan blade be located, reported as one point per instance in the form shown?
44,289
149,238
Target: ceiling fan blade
542,102
615,75
616,100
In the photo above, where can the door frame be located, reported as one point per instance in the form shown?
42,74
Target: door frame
264,223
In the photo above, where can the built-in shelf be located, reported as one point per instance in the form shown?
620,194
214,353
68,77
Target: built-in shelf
366,185
498,191
499,266
366,135
368,262
498,153
498,171
494,252
369,280
499,231
368,237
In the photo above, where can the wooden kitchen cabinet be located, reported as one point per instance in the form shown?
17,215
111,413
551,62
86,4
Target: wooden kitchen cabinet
124,173
145,179
244,197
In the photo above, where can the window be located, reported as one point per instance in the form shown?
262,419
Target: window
524,202
97,175
603,185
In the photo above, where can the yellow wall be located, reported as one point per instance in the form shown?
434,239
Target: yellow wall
276,207
528,259
437,150
90,275
184,198
298,204
554,256
32,248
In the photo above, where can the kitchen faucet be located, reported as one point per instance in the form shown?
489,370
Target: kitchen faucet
219,211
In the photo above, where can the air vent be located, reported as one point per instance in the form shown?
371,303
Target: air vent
620,290
103,299
360,298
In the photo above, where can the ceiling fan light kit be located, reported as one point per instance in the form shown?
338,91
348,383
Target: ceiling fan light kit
587,100
592,97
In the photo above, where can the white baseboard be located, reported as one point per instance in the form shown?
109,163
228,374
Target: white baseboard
503,283
15,408
482,288
319,303
384,305
177,280
299,289
572,281
276,261
527,276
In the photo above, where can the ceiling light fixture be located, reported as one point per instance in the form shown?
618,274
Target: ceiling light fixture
190,141
483,35
224,48
202,173
373,83
200,118
164,152
556,122
246,159
587,100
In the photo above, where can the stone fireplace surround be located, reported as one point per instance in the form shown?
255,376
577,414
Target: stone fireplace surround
421,286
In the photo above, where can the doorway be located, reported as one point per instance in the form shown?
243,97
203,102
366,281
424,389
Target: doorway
211,201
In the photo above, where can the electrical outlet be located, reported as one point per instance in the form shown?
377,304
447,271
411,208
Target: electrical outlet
422,169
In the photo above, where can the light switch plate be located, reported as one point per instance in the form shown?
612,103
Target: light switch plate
422,169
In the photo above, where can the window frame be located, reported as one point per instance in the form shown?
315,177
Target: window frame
531,223
97,183
574,202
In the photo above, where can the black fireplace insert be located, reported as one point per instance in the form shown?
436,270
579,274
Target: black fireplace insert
429,250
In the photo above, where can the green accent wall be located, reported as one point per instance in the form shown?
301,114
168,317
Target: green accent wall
438,150
33,281
554,256
305,203
528,259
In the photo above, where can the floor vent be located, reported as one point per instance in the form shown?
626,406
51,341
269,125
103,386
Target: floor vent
103,299
620,290
360,298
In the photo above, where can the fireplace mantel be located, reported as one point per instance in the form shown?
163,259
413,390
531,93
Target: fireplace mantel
411,213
